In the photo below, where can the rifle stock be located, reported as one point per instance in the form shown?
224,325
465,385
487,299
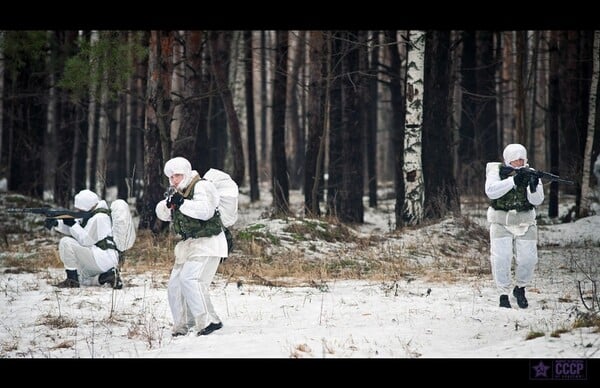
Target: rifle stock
540,174
52,212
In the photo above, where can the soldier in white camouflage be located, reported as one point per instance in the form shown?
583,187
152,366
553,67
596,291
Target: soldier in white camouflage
513,228
192,208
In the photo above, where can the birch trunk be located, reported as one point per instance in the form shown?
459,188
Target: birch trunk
586,192
413,173
1,91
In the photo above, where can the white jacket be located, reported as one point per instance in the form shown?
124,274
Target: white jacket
201,206
97,228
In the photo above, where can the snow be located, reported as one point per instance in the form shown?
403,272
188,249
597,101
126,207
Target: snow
410,317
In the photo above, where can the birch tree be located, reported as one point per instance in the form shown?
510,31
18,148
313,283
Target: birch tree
413,177
586,192
1,91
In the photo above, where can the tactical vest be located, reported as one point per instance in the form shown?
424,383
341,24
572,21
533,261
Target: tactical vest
107,242
189,227
515,199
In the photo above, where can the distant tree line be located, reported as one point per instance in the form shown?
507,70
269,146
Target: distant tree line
336,114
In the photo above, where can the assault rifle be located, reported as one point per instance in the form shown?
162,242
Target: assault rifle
169,193
507,170
50,212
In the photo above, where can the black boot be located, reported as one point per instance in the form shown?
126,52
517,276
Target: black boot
111,277
210,328
72,281
504,302
519,293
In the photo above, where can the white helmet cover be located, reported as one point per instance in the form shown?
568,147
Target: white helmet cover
86,199
513,152
179,165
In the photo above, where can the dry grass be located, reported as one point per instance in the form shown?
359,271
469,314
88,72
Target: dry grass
300,251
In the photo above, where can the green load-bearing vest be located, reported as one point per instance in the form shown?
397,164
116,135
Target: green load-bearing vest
108,242
515,199
189,227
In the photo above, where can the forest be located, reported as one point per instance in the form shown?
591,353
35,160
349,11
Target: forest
335,114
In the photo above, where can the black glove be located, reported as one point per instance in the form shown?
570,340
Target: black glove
50,223
534,180
68,221
175,201
521,178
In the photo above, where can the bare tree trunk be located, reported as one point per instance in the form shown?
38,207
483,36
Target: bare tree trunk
251,127
586,191
520,86
413,173
192,113
177,91
351,208
264,102
316,109
467,127
507,124
50,148
1,93
139,123
334,122
296,140
280,183
218,55
91,121
553,120
158,111
129,112
398,117
371,119
103,134
532,78
486,130
75,152
441,193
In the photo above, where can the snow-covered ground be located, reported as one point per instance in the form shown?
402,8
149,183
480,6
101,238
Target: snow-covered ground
407,318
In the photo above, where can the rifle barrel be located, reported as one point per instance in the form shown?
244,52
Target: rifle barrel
51,212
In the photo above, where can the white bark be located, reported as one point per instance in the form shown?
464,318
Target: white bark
177,82
1,90
586,192
413,170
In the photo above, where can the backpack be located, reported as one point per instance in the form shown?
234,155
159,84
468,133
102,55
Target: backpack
228,190
122,225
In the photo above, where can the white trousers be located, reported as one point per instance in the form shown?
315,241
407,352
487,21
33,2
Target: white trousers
89,262
188,294
504,245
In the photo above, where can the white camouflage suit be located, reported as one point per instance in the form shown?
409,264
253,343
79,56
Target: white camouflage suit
511,232
196,259
78,251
